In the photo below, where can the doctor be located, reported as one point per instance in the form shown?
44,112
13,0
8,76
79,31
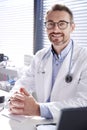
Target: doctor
57,76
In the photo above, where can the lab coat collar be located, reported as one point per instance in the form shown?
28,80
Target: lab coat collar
63,53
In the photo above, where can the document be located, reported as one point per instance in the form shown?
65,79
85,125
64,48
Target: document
1,108
19,118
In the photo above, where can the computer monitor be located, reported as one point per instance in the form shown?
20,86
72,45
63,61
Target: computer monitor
73,119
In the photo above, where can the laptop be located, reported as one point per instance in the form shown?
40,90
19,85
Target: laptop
73,119
70,119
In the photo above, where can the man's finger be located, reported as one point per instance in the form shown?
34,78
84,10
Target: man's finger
22,90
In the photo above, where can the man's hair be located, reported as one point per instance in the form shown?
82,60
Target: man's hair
59,7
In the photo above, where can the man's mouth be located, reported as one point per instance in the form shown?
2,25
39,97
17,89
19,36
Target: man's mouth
56,35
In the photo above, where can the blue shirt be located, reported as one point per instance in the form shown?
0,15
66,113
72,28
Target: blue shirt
57,62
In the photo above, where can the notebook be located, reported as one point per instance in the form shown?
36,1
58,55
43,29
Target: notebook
73,119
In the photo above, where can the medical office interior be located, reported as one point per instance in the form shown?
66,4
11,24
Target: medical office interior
22,33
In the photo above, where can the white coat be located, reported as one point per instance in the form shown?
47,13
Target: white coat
39,76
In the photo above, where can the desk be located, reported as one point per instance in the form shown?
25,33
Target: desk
28,124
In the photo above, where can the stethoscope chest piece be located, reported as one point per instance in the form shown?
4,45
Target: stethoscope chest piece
68,78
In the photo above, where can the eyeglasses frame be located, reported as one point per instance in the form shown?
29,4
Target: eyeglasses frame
57,24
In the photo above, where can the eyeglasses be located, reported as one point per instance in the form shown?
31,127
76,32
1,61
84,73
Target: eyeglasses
61,24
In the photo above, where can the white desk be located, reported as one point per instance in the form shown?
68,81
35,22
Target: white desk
28,124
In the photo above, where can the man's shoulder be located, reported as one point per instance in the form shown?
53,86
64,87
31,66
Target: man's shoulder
81,52
80,48
43,51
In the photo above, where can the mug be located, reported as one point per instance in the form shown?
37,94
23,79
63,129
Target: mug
3,57
2,100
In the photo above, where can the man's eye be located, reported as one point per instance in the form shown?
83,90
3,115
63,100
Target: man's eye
62,24
50,23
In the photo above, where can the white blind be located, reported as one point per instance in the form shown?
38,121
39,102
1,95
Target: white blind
79,9
16,28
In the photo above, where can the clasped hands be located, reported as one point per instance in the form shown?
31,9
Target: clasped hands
23,103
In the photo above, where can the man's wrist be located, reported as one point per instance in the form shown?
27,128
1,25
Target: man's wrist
45,112
37,109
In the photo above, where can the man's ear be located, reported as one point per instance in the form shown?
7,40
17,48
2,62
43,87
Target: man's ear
72,27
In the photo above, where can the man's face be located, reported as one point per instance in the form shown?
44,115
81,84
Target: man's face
57,35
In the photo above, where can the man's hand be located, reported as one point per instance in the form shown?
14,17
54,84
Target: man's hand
23,103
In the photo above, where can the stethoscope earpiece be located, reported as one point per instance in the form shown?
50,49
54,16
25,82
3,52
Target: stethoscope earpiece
68,78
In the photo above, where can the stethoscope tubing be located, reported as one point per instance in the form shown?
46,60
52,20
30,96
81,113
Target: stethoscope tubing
70,64
41,69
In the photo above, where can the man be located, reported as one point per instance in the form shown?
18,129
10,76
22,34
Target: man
57,75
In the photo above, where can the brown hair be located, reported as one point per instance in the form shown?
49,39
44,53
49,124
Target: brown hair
59,7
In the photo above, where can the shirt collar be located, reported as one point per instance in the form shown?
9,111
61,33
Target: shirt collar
64,52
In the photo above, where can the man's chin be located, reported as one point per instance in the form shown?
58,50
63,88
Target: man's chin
58,43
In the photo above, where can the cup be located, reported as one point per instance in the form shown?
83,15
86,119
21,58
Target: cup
3,57
2,100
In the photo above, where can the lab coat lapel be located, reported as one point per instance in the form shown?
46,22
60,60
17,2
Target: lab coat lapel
60,80
48,78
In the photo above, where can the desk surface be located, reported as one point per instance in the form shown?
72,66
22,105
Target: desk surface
4,93
28,124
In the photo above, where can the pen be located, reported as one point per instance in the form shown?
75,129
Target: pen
8,100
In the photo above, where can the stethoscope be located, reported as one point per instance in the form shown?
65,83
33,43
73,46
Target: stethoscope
41,69
69,77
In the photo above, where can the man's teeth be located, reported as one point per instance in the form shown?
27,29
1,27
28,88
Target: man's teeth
56,35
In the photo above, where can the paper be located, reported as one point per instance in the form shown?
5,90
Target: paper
18,118
1,108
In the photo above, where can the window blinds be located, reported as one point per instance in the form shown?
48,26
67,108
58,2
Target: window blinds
79,9
16,28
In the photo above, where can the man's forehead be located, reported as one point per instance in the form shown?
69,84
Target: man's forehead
57,15
57,12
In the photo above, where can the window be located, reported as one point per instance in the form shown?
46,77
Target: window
16,29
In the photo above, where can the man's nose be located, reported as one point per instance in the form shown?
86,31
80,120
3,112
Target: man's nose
56,28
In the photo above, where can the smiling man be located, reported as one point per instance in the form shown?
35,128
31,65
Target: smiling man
59,24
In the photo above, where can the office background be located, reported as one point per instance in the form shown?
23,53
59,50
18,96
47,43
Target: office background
22,30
